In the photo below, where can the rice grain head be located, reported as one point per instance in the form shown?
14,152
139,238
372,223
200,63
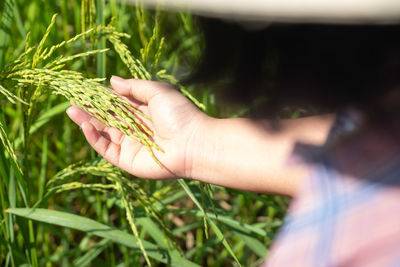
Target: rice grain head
93,97
35,74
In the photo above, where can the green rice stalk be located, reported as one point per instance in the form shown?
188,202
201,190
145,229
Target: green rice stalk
141,22
131,219
162,74
3,135
21,61
197,103
104,188
135,66
153,46
72,40
100,43
38,53
8,146
7,16
203,202
62,60
210,194
145,52
111,110
35,71
10,96
35,74
158,53
87,14
33,98
100,167
95,99
148,203
83,14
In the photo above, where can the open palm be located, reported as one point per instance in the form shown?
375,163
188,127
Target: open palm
174,121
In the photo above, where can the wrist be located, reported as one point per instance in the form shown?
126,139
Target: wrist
200,147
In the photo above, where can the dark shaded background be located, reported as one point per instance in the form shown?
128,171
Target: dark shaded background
302,65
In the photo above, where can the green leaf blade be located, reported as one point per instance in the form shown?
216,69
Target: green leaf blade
96,228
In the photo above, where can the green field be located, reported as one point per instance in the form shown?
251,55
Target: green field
62,205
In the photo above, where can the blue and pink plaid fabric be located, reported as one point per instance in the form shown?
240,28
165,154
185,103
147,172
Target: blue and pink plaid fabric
348,211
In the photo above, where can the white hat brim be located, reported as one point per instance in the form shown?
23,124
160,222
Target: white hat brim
313,11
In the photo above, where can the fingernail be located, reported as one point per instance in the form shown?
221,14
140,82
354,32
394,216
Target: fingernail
118,82
68,111
117,79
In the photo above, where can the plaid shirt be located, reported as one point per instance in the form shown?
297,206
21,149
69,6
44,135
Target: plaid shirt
348,212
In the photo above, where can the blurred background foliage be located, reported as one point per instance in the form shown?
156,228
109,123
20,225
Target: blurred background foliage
240,224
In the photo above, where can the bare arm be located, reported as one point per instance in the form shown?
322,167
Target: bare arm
248,155
237,153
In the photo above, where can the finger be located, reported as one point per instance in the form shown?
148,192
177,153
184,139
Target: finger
141,90
80,116
132,101
136,104
121,155
103,146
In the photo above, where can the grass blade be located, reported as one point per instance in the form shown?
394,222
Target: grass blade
48,115
153,230
8,146
221,237
215,228
92,253
10,96
44,118
7,16
95,228
231,223
254,244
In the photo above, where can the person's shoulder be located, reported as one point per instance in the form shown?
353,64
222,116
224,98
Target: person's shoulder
347,210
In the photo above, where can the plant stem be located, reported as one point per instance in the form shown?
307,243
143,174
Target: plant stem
7,12
101,58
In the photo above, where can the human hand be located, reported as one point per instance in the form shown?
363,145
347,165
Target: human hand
175,122
237,153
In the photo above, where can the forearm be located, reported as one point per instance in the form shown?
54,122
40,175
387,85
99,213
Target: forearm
249,155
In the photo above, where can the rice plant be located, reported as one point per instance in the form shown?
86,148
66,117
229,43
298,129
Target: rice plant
47,173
